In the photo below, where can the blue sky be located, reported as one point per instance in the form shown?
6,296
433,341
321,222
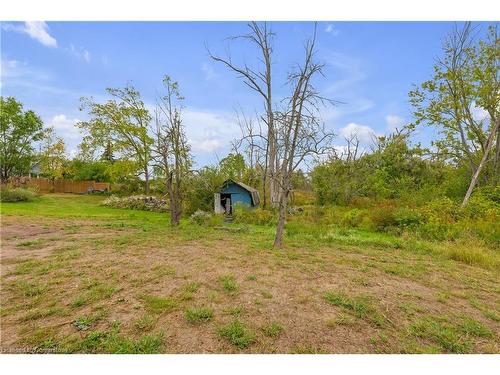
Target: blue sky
370,66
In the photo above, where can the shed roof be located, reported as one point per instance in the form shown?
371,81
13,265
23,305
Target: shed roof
253,192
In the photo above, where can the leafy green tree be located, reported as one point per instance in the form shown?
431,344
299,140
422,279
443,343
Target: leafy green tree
123,123
52,157
19,130
233,166
465,83
82,170
201,187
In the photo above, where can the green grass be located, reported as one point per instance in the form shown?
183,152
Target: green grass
454,337
341,320
157,305
273,329
197,315
236,311
94,291
237,334
83,323
146,323
228,283
30,289
31,244
81,282
359,305
114,343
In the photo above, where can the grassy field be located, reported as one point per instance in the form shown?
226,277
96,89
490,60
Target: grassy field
80,277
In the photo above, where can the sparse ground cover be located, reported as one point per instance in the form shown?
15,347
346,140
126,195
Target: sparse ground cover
80,277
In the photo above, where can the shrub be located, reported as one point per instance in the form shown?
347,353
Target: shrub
200,218
383,218
480,205
257,216
352,218
407,217
8,194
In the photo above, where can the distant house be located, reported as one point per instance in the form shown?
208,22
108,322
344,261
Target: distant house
35,169
233,193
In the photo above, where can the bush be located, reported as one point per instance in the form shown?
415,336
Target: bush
200,218
257,216
352,218
137,202
480,206
8,194
407,217
383,218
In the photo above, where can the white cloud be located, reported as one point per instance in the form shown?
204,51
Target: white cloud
348,68
364,133
37,30
209,71
330,29
80,52
207,145
209,131
65,127
394,122
479,114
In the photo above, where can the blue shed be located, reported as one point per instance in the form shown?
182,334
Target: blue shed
232,193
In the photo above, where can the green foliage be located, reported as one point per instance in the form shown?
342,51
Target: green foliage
258,216
201,188
233,167
393,170
114,343
155,304
121,122
83,323
19,130
384,218
8,194
360,306
272,329
197,315
200,218
237,334
452,337
352,218
146,323
228,283
81,170
465,78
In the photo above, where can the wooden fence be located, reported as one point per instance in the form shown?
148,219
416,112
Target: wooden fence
45,185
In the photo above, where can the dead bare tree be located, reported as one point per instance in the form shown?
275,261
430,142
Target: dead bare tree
171,151
300,134
261,82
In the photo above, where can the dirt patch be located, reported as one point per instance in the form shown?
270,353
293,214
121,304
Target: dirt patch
87,269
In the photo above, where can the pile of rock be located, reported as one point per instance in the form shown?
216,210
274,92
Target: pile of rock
138,202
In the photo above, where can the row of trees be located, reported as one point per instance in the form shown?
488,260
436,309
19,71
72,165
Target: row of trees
124,140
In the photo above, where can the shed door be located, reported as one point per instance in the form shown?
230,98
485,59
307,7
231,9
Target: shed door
217,204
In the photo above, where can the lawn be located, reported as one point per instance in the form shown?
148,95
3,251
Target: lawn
80,277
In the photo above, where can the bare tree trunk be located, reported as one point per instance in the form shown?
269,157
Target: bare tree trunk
497,159
481,164
146,177
281,221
